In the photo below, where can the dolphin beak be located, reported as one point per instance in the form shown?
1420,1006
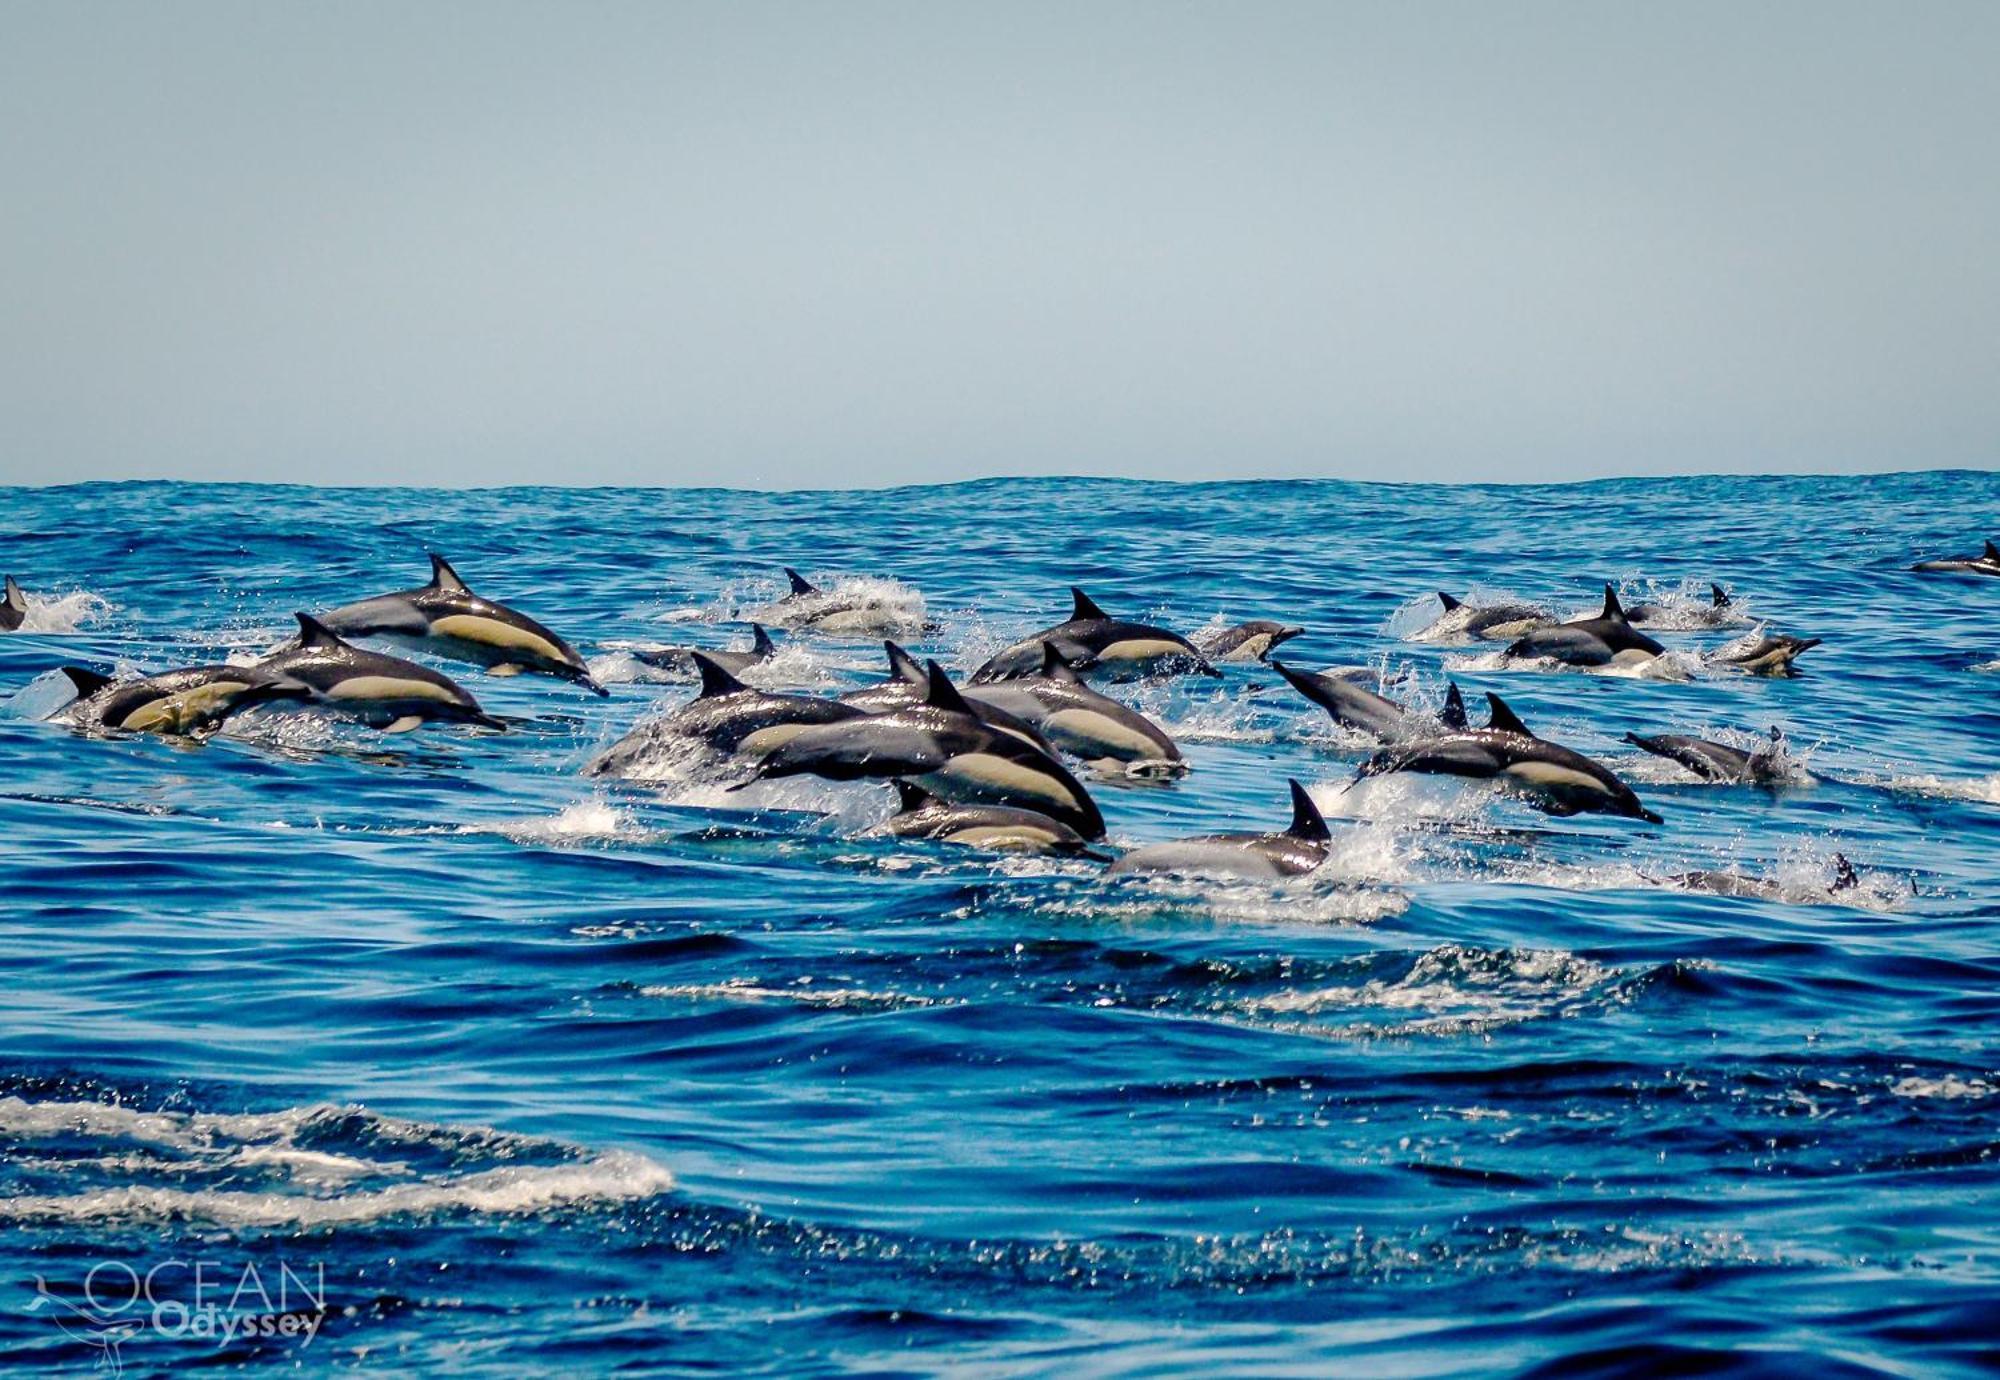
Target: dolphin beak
488,721
589,682
1649,816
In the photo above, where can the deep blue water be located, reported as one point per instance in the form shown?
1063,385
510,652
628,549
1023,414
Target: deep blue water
544,1075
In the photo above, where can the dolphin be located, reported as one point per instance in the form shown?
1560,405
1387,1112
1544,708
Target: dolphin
1718,761
1845,878
1358,708
945,748
192,702
1078,719
1766,654
1299,849
1556,779
1251,641
1718,611
383,692
1606,640
1491,622
1092,640
806,605
13,608
909,684
449,620
1986,562
725,715
681,659
923,815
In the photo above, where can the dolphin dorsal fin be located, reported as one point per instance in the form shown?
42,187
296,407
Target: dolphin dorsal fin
943,694
1505,719
1307,822
1085,608
760,641
18,601
313,633
1453,716
1719,596
911,796
1992,553
1448,602
1612,608
87,682
1844,876
1055,668
714,679
800,584
444,578
903,666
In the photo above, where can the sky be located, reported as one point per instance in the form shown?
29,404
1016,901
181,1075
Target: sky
857,244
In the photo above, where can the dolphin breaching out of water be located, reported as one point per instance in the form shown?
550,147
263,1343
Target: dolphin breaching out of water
1008,828
13,608
1719,761
806,605
681,659
384,692
943,746
448,620
726,717
1079,720
1299,849
1606,640
1092,641
1555,779
1356,707
191,703
1985,563
1490,622
1714,614
1765,654
1251,641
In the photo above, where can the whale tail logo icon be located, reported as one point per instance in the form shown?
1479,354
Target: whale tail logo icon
92,1328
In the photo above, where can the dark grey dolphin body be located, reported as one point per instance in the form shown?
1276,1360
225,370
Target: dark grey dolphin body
13,607
1078,719
1606,640
807,606
1261,857
448,620
192,702
1092,641
383,692
1251,641
944,747
1718,761
908,684
1002,827
1845,878
1490,622
681,659
1361,709
1767,654
1986,562
1718,611
1557,780
726,716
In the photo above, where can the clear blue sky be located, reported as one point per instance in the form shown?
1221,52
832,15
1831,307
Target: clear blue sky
798,245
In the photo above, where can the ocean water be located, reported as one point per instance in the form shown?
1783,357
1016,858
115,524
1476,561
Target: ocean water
497,1069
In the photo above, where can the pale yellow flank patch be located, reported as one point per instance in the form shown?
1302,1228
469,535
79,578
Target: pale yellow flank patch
389,688
1004,774
490,632
1141,649
1553,775
1099,729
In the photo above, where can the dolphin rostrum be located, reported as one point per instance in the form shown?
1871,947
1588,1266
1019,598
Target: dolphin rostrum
381,691
448,620
923,815
191,703
1092,640
1606,640
726,716
1300,848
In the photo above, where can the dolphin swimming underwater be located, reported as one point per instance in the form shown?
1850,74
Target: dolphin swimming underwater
1845,878
1718,611
681,659
1356,707
944,747
909,684
1986,562
1251,641
1765,654
1077,719
13,607
192,702
1090,640
1490,622
922,815
1606,640
726,716
1556,780
448,620
1719,761
1298,849
384,692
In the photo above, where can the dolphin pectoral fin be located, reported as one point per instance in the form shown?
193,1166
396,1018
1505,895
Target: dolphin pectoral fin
505,668
404,724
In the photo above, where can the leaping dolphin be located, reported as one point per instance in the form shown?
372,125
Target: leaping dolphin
448,620
806,605
1986,562
383,692
909,684
726,716
1296,850
1251,641
923,815
1091,640
1606,640
1361,709
1557,780
681,659
191,703
1489,622
13,608
1078,719
1719,761
1766,654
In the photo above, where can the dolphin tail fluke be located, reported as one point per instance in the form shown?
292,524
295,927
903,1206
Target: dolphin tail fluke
444,578
1449,602
1307,822
761,644
1718,596
1505,719
1454,716
715,680
800,584
87,682
1084,608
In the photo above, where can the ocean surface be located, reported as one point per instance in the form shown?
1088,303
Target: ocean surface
496,1069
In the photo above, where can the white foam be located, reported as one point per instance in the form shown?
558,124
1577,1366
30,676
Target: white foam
799,993
1981,790
1949,1087
586,819
63,613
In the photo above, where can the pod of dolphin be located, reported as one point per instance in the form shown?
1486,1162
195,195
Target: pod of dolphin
986,763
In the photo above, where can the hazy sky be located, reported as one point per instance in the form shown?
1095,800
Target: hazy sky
835,243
